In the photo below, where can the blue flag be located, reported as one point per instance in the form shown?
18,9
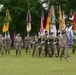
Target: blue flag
70,38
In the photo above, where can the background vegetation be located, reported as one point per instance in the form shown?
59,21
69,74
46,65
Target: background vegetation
18,10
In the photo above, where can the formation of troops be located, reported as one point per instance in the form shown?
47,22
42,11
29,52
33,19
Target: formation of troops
40,45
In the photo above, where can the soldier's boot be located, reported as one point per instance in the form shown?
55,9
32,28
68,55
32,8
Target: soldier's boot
2,53
57,54
37,53
16,52
20,53
73,51
66,59
33,53
26,50
29,52
5,52
8,52
45,53
52,52
61,56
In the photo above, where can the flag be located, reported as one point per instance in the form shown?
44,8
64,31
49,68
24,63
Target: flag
64,21
8,35
28,20
74,21
6,21
53,29
42,22
47,21
70,38
52,15
5,28
61,25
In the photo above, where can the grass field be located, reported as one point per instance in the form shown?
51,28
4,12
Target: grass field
28,65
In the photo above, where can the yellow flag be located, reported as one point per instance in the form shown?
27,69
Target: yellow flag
7,20
5,28
61,25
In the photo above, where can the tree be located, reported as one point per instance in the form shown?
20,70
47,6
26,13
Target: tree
18,10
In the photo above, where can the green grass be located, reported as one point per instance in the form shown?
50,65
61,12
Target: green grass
28,65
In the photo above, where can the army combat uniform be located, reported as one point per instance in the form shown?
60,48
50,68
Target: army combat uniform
42,46
58,44
52,40
27,44
64,46
2,44
8,44
36,46
18,44
74,43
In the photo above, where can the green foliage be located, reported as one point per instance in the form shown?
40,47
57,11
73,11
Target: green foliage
18,11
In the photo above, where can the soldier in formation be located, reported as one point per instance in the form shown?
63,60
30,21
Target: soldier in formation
58,43
2,44
28,43
35,46
18,44
8,44
64,46
74,43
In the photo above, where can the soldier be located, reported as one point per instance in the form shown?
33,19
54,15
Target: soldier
64,46
8,44
42,45
2,44
36,46
45,38
58,44
27,43
52,40
18,44
33,46
74,43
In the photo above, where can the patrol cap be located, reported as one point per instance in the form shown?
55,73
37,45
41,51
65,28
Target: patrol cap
51,33
45,31
75,33
58,33
63,33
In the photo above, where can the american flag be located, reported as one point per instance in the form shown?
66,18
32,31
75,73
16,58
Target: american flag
42,22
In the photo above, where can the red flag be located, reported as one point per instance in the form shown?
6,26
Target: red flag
42,22
74,21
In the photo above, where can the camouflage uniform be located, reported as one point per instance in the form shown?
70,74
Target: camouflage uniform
74,43
36,47
33,46
27,43
52,40
18,44
8,44
64,46
2,44
46,46
58,44
42,45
